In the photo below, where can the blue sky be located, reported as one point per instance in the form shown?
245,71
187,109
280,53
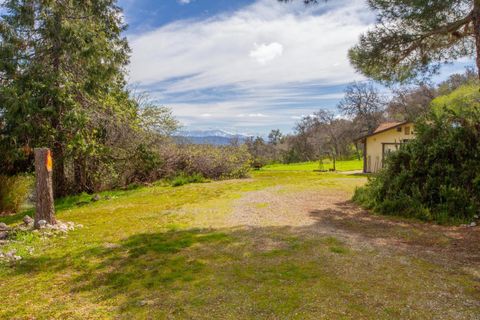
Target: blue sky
245,66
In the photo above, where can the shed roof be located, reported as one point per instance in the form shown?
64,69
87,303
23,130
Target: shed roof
384,127
387,125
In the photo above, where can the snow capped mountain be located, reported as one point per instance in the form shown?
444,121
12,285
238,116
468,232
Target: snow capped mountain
213,136
210,133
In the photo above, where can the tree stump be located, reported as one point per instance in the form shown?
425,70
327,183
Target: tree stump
45,209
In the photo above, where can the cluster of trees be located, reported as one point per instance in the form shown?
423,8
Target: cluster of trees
62,86
326,134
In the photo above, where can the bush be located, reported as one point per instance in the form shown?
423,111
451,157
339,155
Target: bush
182,163
211,162
436,176
14,192
186,179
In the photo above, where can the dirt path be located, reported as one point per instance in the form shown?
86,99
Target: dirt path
330,212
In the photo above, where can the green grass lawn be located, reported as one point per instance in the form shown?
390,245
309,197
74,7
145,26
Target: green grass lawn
348,165
166,253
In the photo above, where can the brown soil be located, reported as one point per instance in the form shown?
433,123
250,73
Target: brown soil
331,213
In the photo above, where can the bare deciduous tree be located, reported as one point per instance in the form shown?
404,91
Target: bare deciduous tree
410,103
364,104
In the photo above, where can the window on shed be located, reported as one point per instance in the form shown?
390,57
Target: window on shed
407,131
399,129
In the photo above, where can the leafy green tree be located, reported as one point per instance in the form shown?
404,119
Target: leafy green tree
414,37
62,80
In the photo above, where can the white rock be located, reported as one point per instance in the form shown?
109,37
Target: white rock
17,258
3,227
42,223
476,216
473,224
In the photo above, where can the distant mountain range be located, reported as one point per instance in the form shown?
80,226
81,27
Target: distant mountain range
214,136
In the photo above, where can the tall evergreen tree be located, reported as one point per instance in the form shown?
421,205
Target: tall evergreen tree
414,37
62,80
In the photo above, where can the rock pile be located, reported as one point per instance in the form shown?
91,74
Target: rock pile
45,231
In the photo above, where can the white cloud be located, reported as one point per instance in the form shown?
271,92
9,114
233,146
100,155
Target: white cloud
266,52
216,52
252,115
184,1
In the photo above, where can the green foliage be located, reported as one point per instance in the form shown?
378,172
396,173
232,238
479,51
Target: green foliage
461,100
158,119
145,165
414,37
183,179
14,191
63,87
437,175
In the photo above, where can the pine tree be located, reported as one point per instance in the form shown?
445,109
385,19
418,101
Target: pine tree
412,38
62,80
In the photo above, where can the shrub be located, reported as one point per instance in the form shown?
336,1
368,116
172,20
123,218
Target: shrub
14,191
183,179
211,162
145,165
181,164
437,175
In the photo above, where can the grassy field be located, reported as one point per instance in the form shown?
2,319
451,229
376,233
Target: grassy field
348,165
281,245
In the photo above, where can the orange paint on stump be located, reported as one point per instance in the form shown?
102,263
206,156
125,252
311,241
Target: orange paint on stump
49,161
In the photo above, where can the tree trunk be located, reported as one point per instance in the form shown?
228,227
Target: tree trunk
476,31
45,209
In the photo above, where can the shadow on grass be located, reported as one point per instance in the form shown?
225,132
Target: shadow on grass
192,266
138,263
238,271
462,245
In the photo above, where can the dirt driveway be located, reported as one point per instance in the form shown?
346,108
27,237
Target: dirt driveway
330,212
